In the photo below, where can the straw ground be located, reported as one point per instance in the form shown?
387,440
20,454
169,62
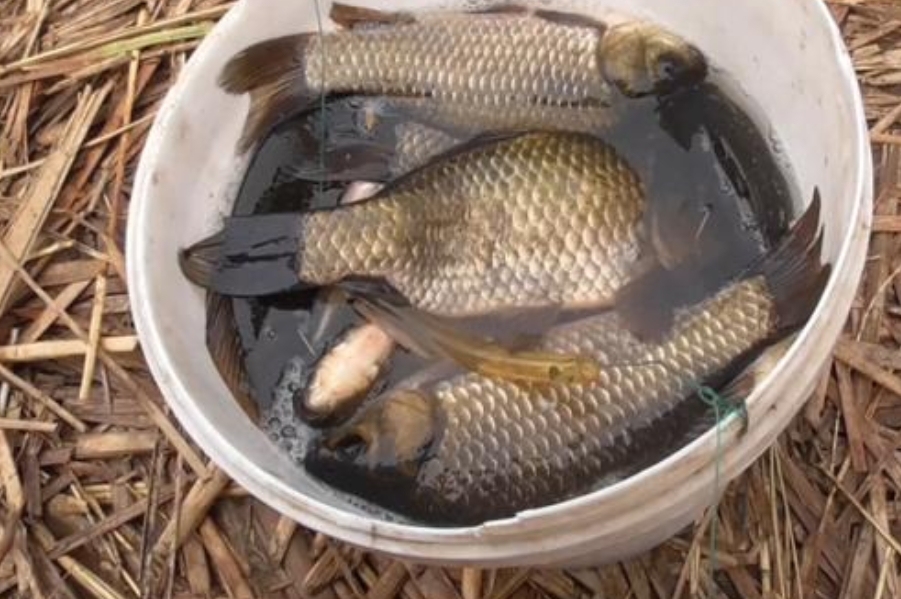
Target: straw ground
102,496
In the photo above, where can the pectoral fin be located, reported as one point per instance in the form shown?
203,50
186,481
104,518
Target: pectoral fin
438,338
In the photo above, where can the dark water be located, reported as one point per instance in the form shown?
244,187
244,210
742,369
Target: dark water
710,174
709,171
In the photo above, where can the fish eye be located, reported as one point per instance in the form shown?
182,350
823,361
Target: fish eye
667,67
349,446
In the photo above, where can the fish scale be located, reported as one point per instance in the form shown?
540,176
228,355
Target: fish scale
495,62
507,446
531,221
514,69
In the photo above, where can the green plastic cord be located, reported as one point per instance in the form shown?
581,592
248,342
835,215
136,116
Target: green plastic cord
722,408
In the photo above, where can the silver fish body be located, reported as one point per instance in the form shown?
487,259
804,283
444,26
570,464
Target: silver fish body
417,144
514,68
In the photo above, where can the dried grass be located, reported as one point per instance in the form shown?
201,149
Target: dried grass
104,497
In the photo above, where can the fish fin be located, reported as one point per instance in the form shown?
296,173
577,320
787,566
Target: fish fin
272,72
361,161
793,270
330,304
436,337
568,19
518,328
251,256
435,372
675,233
404,333
225,348
502,9
467,146
646,305
199,262
643,309
360,190
354,17
371,287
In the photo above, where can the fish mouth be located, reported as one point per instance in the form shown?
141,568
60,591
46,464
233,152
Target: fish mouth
314,418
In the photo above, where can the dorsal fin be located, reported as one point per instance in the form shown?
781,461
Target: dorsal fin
569,19
468,145
354,17
502,9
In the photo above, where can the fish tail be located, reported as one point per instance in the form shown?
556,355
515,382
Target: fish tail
227,353
250,256
198,262
273,72
793,270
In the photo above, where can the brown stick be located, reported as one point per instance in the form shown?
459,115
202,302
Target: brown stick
194,509
41,397
226,565
153,411
33,210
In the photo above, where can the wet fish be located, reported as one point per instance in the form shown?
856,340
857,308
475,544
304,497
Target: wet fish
461,449
358,191
505,68
443,339
416,144
227,352
344,375
527,221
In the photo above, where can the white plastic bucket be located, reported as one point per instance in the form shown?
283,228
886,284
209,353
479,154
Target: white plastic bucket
786,55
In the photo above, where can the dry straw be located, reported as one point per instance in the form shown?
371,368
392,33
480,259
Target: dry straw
103,496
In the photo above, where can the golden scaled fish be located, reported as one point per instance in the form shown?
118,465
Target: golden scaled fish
505,68
416,144
462,449
527,221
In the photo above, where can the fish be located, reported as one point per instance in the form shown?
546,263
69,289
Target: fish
345,374
446,340
460,449
430,338
413,145
227,352
416,144
521,221
504,68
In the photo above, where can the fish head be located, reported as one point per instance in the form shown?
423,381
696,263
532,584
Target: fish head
640,59
389,440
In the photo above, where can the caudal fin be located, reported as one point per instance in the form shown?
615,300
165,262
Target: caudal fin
228,355
251,256
793,270
273,73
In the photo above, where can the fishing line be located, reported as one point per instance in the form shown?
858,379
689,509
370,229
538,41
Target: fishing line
323,121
